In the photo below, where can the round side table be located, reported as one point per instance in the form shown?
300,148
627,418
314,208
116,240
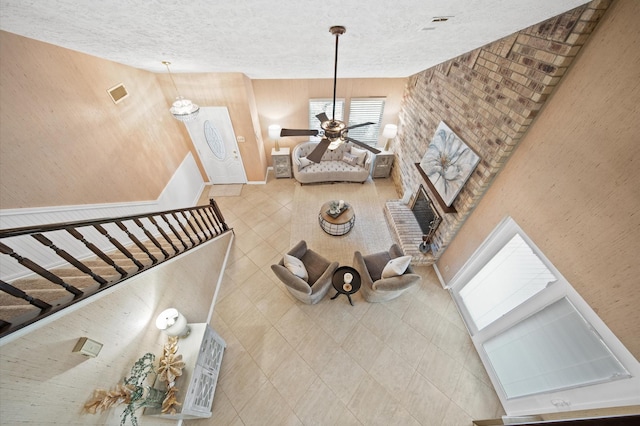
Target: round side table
339,225
345,288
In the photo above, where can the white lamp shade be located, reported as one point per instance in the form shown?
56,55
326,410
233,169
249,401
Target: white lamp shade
172,322
390,131
274,131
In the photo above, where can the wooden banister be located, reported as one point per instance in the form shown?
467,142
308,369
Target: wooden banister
156,237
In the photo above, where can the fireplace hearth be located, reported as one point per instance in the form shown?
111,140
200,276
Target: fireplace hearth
410,230
425,213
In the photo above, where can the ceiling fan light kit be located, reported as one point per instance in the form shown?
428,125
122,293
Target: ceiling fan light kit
182,109
334,132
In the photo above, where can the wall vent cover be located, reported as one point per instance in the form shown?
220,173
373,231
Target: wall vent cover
118,93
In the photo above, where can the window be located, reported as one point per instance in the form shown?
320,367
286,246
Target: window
512,276
554,349
542,345
317,106
362,110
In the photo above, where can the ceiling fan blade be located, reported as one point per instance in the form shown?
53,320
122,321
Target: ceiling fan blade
359,125
298,132
322,117
362,144
316,154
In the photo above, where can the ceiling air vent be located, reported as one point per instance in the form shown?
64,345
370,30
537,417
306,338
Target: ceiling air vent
118,93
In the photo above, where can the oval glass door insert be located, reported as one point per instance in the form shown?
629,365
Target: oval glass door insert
214,140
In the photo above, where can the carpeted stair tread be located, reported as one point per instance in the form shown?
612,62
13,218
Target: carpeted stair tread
53,297
39,283
93,263
18,313
66,273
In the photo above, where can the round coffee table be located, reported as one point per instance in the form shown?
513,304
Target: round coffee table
338,225
341,286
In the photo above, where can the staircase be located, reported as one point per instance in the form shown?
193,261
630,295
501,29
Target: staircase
81,259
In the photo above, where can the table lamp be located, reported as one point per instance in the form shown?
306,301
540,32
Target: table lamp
274,133
389,132
173,323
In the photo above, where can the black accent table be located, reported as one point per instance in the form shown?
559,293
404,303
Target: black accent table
343,288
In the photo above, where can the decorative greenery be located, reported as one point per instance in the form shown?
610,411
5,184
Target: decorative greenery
136,392
139,390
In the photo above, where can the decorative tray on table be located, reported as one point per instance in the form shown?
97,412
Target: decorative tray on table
334,213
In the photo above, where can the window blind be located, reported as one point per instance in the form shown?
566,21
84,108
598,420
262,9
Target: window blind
362,110
552,350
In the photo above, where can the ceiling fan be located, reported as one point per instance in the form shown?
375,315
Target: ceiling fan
334,132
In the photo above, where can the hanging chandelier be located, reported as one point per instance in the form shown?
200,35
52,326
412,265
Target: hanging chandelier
182,109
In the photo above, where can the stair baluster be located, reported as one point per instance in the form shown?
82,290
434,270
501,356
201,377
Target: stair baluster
164,235
40,271
151,237
188,222
136,241
174,232
66,256
97,251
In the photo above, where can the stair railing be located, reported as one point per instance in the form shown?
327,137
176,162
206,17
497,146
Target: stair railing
108,251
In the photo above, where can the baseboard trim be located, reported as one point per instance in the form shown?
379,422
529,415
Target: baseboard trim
440,277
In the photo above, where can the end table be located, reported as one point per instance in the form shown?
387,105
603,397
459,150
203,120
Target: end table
341,286
281,162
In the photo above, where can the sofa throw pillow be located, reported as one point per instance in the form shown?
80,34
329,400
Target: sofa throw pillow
396,267
304,162
350,159
296,267
361,154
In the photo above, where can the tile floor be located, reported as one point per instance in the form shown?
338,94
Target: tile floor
404,362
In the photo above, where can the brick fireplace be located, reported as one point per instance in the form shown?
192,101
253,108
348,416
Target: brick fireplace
489,98
409,223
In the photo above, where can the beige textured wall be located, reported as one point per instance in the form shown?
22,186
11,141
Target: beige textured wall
573,184
286,102
43,382
64,142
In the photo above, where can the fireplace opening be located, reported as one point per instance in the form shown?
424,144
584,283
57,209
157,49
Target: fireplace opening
425,213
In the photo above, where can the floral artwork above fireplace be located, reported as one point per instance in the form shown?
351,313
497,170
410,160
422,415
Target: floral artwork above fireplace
448,163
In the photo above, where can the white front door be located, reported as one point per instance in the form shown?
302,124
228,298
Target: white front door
215,141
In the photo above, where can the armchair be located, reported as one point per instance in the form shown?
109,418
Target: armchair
320,272
374,288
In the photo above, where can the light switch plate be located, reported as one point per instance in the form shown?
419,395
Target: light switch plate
88,347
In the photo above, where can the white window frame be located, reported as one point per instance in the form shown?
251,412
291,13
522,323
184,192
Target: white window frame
614,393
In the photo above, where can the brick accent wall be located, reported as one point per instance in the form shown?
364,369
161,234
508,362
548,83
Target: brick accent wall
489,98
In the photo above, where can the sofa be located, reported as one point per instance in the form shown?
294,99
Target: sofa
338,165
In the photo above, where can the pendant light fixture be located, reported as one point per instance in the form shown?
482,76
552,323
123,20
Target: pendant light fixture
182,109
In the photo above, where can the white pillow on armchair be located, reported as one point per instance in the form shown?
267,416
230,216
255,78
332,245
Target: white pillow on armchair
396,267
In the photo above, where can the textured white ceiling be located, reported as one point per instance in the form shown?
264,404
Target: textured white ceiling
276,38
